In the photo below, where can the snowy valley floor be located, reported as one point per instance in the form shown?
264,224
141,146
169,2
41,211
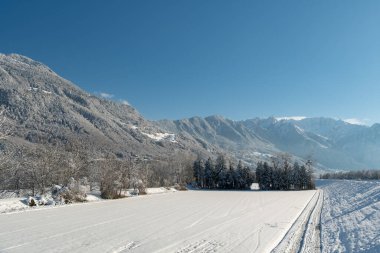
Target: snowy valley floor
350,216
193,221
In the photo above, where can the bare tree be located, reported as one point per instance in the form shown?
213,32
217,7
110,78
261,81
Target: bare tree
4,154
4,131
78,161
182,164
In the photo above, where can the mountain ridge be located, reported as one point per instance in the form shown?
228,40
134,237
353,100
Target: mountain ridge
45,108
329,142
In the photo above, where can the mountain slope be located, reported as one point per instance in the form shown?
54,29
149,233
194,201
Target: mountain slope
44,108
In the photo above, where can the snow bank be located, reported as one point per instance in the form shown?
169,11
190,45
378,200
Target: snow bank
93,197
12,205
159,190
9,203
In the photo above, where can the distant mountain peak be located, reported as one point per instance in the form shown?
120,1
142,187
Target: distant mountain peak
296,118
355,121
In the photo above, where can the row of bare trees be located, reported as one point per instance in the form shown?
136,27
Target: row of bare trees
38,167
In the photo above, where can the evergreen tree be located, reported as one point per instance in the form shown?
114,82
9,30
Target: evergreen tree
260,174
230,178
267,176
282,176
208,175
199,172
220,166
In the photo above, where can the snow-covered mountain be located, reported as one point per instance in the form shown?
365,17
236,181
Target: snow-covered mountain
331,143
42,108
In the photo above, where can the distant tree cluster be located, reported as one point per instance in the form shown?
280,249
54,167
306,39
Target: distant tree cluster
353,175
282,175
217,174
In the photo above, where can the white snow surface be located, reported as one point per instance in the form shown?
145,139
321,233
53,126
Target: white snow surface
159,190
296,118
350,216
261,154
9,205
161,136
191,221
12,205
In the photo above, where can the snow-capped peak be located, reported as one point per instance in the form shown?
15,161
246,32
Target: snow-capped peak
297,118
355,121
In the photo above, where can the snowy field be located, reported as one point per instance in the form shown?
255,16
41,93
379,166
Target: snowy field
350,216
193,221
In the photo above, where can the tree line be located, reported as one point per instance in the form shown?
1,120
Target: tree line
38,168
217,174
282,175
353,175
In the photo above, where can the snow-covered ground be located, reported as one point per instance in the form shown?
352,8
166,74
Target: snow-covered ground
9,205
12,205
192,221
350,216
161,136
304,235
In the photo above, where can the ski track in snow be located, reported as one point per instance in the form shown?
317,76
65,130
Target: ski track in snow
350,216
304,235
183,222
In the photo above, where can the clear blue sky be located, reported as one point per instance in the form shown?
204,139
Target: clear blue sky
241,59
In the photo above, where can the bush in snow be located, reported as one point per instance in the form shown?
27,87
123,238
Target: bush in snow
43,201
75,191
110,189
32,201
39,201
140,186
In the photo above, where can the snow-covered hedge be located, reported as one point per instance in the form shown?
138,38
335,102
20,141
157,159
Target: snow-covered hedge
74,191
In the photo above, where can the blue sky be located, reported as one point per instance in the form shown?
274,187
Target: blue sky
240,59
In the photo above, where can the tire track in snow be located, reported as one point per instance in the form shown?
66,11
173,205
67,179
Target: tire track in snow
292,241
311,240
